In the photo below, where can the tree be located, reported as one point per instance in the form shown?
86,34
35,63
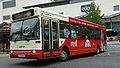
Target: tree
94,14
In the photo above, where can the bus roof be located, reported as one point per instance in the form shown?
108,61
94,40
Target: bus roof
75,20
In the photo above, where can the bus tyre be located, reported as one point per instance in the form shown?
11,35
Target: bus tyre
104,48
64,55
98,50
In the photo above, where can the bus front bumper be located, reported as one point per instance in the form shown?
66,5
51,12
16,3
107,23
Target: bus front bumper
26,55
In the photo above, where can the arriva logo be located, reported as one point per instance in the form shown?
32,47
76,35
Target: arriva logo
87,43
74,44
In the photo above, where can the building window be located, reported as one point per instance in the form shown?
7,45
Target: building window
85,8
116,8
8,4
7,17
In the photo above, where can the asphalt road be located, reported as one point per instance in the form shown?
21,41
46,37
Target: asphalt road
109,59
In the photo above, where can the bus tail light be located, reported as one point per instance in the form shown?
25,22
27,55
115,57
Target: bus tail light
37,41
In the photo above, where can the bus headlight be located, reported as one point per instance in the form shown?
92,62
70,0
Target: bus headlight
11,51
34,51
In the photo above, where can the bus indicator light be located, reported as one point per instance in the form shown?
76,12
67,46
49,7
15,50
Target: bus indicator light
11,51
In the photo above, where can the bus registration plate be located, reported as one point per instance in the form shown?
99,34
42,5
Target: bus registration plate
21,55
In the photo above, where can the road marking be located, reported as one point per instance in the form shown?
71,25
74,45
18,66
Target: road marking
4,54
99,55
112,46
114,51
108,54
103,54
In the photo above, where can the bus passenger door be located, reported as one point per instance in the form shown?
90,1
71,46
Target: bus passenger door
46,44
54,38
50,38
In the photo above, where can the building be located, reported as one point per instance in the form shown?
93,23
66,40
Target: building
74,8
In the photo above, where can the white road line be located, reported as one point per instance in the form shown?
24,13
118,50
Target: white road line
103,54
108,54
99,55
114,51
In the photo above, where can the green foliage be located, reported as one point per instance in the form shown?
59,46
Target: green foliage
5,50
1,48
94,15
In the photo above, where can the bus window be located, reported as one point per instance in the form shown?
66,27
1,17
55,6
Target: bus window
75,31
64,30
97,34
30,29
85,32
92,33
46,34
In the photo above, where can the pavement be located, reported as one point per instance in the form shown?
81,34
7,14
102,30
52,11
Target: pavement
113,43
4,54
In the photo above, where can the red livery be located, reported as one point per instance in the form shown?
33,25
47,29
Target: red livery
47,34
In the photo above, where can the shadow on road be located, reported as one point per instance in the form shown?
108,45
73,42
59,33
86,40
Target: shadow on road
39,63
82,56
47,62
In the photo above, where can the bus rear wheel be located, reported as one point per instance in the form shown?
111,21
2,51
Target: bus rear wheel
64,55
98,50
104,48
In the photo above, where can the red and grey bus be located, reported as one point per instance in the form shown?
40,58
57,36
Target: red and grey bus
39,33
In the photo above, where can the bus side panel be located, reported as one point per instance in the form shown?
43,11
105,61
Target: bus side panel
78,46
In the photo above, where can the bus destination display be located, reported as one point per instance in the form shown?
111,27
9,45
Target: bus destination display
23,14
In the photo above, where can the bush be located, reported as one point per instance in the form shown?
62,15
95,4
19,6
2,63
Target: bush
7,50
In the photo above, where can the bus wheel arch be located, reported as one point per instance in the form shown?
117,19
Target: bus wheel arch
104,48
98,49
65,54
65,47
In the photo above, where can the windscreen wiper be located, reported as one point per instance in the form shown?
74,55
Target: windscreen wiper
30,30
17,36
25,36
19,33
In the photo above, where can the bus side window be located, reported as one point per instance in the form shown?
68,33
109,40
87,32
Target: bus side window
92,33
89,32
97,34
64,30
75,31
84,32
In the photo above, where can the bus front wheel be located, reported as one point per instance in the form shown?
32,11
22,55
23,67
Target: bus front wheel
64,55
